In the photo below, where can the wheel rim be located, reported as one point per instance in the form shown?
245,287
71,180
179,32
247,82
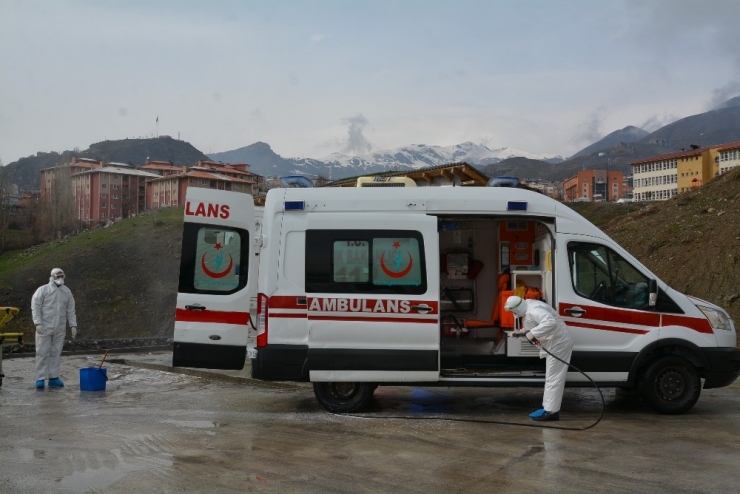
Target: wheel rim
670,384
343,392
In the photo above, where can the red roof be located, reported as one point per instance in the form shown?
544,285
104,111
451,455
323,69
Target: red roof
729,146
670,156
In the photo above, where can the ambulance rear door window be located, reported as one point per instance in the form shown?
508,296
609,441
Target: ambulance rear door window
214,259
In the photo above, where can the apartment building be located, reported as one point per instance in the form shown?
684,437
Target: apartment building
161,168
110,192
58,176
171,190
661,177
729,156
594,185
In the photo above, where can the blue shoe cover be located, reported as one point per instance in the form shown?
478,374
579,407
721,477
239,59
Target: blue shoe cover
56,382
537,413
40,384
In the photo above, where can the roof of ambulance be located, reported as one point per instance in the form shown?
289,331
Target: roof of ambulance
435,200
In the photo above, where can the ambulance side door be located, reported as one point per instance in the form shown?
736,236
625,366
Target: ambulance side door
603,299
372,286
217,280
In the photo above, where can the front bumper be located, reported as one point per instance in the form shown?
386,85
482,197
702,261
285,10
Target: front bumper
723,366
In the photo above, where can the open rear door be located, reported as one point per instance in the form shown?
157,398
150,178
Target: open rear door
217,280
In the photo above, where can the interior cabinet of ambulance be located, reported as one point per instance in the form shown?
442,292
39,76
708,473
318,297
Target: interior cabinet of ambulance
476,255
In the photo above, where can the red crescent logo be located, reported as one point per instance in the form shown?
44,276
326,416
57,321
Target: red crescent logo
211,273
399,274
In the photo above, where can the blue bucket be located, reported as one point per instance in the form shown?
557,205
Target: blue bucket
93,378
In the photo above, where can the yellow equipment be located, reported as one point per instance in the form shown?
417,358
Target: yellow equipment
6,315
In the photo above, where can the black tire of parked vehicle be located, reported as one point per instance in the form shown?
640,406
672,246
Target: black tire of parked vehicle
671,385
343,397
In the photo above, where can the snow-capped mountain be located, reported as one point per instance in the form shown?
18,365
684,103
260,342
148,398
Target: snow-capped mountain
339,165
421,155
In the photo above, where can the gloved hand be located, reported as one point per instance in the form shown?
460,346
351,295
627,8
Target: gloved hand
38,329
73,330
531,338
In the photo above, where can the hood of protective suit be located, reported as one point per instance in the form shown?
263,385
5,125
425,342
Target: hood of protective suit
57,276
516,305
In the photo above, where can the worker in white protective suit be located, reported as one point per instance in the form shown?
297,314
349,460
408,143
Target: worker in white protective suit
542,325
52,308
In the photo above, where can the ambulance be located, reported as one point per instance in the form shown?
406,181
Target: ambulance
369,286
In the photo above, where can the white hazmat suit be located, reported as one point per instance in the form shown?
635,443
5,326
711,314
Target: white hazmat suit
546,325
52,307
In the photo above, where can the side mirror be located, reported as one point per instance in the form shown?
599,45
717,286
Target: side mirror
653,291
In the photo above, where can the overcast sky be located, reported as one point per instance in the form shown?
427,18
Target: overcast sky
314,77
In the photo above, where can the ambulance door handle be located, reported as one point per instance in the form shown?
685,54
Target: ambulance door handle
575,311
421,308
196,307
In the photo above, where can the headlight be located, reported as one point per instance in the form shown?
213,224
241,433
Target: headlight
717,318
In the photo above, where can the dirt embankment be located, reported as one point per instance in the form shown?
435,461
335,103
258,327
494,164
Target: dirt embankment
692,242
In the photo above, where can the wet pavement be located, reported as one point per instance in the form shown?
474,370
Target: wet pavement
152,430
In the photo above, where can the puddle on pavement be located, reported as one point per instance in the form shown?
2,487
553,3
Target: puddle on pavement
102,477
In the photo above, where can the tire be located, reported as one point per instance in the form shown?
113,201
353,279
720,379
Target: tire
671,385
343,397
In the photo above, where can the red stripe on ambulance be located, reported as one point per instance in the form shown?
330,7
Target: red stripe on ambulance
213,316
580,324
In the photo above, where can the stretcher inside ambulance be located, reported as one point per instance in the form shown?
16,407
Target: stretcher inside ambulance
370,286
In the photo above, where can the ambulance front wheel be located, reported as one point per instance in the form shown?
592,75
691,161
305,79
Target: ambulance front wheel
343,397
671,385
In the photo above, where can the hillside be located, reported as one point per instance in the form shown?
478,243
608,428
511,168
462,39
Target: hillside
124,277
25,171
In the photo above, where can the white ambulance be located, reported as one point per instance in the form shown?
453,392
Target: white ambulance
360,287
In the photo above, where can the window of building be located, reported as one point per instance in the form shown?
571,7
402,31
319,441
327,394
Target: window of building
103,195
113,205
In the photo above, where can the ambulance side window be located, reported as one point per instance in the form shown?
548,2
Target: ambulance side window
214,259
365,261
600,274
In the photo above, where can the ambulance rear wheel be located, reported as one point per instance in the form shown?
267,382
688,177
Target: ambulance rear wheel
671,385
343,397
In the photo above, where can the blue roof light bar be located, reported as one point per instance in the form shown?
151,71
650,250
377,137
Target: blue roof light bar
516,206
295,205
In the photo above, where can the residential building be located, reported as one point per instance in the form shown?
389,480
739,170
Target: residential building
456,174
109,192
162,168
661,177
550,189
594,185
729,156
53,175
171,190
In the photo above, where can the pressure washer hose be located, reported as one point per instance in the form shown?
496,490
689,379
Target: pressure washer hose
501,422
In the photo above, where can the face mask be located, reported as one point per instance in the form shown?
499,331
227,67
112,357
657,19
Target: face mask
59,281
